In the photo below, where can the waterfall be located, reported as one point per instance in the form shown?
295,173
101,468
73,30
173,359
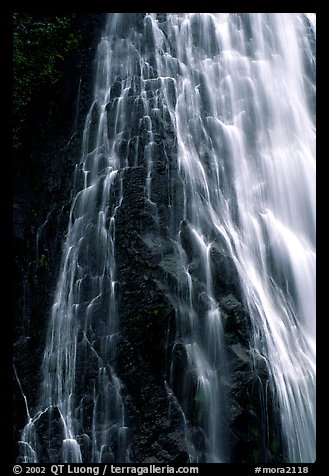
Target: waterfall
233,95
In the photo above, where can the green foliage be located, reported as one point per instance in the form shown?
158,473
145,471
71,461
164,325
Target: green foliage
256,456
200,407
255,431
41,43
43,261
274,446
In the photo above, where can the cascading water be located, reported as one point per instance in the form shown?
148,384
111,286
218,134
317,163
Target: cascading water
239,92
247,157
86,293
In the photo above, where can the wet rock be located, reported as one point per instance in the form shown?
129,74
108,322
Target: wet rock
147,354
50,433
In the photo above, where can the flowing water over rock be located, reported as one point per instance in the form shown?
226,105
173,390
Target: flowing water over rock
205,123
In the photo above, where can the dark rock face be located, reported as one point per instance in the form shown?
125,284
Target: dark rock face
253,415
42,192
145,313
148,278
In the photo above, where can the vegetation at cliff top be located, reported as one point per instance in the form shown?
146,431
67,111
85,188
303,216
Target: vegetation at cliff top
41,44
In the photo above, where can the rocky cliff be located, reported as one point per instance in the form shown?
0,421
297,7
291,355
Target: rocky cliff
147,276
